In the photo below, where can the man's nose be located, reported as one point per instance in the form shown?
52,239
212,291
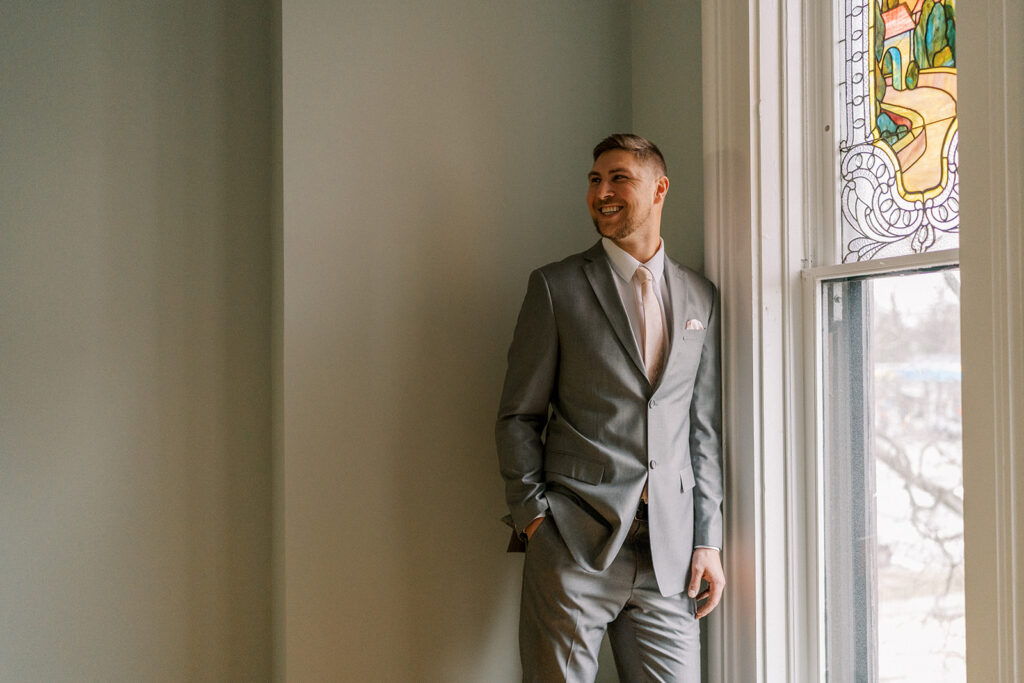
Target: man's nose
604,191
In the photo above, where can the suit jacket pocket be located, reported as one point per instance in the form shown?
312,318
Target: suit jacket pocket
686,479
569,465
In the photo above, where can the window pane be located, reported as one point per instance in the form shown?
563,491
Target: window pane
900,189
894,492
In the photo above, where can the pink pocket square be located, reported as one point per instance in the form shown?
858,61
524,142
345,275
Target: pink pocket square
694,324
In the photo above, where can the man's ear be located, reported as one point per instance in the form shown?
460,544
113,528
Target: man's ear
660,189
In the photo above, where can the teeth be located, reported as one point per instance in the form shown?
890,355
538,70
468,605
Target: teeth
608,210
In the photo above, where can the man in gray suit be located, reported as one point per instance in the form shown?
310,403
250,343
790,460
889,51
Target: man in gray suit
609,441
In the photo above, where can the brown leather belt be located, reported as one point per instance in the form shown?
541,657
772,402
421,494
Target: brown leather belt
639,522
641,512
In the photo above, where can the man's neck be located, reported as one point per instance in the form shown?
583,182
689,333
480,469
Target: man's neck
641,247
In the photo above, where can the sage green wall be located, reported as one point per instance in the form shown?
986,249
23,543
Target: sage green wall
665,54
134,341
430,156
433,154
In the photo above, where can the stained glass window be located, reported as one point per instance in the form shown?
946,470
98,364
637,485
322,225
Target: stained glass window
898,128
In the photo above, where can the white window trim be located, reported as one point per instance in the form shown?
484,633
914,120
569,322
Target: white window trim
992,337
762,197
758,188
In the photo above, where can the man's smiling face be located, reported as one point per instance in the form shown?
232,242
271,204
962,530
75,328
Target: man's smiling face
622,193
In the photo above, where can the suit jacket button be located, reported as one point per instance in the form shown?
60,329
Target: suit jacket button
653,403
654,463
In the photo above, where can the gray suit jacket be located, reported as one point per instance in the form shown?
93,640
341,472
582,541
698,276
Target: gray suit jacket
580,428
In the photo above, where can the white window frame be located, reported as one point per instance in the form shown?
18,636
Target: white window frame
766,189
761,199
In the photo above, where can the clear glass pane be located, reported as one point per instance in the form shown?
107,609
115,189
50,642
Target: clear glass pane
899,140
894,491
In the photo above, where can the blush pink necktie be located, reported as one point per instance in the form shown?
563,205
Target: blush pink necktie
653,325
653,332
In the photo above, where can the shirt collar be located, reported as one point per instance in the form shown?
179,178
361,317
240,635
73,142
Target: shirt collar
625,265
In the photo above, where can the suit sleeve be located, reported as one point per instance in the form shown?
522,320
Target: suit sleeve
706,437
523,413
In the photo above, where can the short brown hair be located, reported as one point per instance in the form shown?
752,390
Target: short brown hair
643,149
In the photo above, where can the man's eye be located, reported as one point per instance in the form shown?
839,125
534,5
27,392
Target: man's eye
619,177
594,181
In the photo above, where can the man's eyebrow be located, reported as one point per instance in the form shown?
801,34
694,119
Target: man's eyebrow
610,171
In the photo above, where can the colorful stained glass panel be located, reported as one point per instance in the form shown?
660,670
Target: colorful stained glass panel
900,187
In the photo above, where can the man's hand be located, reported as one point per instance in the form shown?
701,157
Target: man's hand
707,565
532,527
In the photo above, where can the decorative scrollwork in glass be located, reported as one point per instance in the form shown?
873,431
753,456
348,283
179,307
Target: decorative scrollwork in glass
898,130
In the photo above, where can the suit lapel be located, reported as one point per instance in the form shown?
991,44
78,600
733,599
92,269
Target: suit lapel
599,274
678,294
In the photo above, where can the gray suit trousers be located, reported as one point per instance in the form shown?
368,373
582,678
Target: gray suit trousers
567,609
